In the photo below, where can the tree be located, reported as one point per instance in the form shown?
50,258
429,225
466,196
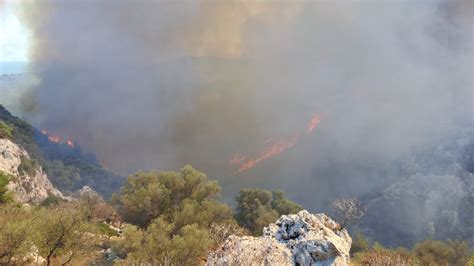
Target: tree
62,234
171,213
14,233
158,246
257,208
146,196
347,210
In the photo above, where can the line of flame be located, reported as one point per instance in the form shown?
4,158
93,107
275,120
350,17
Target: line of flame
273,148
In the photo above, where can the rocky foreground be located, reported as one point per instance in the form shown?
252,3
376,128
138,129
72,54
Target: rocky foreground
296,239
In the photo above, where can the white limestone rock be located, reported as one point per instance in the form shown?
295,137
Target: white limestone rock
88,192
296,239
26,188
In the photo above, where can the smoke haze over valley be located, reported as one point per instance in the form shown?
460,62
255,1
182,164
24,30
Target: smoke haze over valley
160,84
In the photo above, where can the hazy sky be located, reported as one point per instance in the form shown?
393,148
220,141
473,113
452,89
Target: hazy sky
14,39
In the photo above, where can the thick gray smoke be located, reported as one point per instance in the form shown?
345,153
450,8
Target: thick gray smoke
158,84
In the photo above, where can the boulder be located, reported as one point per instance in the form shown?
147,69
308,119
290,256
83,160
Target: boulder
296,239
88,192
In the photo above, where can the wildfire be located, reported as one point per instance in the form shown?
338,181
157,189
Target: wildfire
54,138
58,139
315,120
273,147
70,143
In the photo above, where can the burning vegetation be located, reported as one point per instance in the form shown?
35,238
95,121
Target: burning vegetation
54,138
273,147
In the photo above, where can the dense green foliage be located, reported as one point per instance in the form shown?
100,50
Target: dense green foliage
173,218
6,131
172,214
159,246
181,195
5,195
60,234
257,208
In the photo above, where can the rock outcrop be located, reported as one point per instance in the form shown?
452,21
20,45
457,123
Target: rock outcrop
31,187
88,192
296,239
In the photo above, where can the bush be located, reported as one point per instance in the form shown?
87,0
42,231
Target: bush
6,131
27,166
359,244
432,252
429,252
176,218
62,176
257,208
5,195
106,230
146,196
60,234
15,231
63,235
51,200
155,246
378,255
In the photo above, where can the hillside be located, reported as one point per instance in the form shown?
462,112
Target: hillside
68,168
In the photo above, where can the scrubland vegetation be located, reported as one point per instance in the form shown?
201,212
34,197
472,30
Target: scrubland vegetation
157,218
169,218
428,252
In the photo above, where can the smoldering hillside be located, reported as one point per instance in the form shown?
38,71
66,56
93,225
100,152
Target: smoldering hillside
158,84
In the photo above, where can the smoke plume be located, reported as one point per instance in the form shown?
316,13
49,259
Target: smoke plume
158,84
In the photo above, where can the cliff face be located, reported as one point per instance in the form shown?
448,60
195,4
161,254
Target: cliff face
31,187
297,239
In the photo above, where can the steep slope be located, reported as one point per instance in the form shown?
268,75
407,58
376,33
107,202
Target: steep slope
68,168
28,182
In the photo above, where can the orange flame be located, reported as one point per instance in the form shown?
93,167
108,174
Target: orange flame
70,143
58,139
54,138
313,123
273,148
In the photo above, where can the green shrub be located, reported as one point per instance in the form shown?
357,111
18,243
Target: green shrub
257,208
359,244
27,166
379,255
146,196
429,252
15,232
106,230
470,261
177,218
6,131
432,252
5,194
51,200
